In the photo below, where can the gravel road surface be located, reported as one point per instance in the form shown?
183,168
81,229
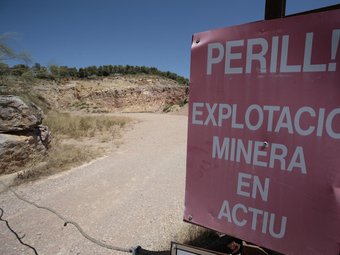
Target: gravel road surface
134,196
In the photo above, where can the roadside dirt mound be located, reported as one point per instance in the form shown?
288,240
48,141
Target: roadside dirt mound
131,93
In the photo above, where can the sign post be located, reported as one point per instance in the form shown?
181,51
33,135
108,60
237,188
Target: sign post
275,9
263,160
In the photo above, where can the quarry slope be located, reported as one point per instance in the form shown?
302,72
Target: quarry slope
120,93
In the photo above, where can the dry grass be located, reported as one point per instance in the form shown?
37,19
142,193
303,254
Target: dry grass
58,159
78,126
69,148
194,235
200,237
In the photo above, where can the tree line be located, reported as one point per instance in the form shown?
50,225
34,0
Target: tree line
54,72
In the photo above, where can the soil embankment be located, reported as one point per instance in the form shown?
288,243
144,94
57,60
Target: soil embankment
130,93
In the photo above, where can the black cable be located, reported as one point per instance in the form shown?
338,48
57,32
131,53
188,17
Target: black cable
141,251
81,231
15,233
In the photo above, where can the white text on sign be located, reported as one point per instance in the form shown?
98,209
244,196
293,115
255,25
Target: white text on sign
265,54
320,121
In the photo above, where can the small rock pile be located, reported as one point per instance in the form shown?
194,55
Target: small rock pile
22,135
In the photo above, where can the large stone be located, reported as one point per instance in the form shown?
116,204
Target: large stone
16,151
16,115
22,137
43,135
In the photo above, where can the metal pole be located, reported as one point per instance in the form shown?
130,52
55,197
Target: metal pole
275,9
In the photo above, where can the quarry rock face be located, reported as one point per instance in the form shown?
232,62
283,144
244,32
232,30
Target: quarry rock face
22,137
115,94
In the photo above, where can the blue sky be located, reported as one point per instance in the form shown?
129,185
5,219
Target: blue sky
140,32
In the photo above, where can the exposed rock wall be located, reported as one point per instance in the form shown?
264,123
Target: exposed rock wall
115,95
22,137
151,99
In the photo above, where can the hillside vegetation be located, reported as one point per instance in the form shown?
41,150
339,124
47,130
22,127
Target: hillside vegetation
54,72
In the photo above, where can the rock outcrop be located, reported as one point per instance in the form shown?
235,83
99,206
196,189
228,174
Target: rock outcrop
15,115
22,136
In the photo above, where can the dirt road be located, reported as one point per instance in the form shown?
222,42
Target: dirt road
135,196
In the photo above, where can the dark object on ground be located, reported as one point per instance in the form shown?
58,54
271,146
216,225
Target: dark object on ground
140,251
229,245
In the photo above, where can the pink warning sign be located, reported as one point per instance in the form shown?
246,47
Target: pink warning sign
263,161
